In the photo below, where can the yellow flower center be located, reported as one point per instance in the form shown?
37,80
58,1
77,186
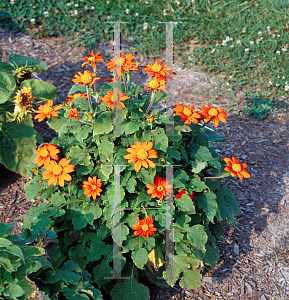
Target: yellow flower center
145,227
91,58
236,168
47,110
213,112
142,154
57,170
44,153
160,188
156,68
187,112
93,186
122,61
154,84
86,78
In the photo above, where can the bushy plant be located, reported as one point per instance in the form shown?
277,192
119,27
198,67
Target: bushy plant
18,95
91,161
17,262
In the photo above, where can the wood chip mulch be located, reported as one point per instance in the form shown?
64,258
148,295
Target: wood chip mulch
241,272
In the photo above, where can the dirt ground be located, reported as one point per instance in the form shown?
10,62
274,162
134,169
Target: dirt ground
240,273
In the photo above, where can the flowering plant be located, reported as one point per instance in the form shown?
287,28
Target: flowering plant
91,162
18,95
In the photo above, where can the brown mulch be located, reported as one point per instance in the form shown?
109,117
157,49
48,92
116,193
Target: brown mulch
240,273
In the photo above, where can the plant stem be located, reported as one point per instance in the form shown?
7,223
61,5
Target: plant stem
124,80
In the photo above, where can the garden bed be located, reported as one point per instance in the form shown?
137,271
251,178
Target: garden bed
240,273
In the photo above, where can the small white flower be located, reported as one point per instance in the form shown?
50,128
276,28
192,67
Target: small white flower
46,14
165,13
286,88
270,83
127,11
227,38
238,42
107,2
247,50
244,30
278,52
227,83
213,51
136,14
153,27
259,33
268,27
284,49
278,35
231,77
278,76
193,1
286,82
108,17
252,43
232,46
283,77
12,2
257,41
147,2
32,21
273,35
68,4
86,7
177,2
92,7
224,43
145,26
277,84
33,6
75,12
76,5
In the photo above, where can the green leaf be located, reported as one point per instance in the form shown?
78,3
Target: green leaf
5,262
106,170
211,255
103,124
140,257
131,184
174,153
4,242
103,273
13,249
7,86
77,88
57,199
79,156
32,188
83,133
78,254
79,221
27,287
13,291
130,290
197,184
7,68
207,202
191,279
5,229
202,154
97,249
185,203
198,236
132,127
30,62
106,147
198,166
81,104
41,90
56,123
228,205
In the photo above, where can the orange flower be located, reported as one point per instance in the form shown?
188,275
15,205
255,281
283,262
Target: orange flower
187,114
72,97
150,119
58,172
155,85
109,99
46,110
140,153
145,227
159,70
92,59
86,78
125,63
46,153
182,192
73,113
92,187
216,114
160,187
236,168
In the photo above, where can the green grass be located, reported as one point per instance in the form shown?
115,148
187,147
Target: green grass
208,22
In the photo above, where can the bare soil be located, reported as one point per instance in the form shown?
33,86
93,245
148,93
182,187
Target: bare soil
240,273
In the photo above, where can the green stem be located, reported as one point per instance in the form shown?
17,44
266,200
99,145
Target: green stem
221,176
124,80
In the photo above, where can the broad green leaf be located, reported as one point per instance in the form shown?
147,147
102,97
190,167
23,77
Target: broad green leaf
202,154
79,221
198,236
6,263
191,279
106,147
140,257
97,249
5,229
131,127
32,187
106,170
207,202
7,86
103,124
83,133
130,290
27,287
185,203
79,254
6,67
211,255
173,153
41,90
57,199
198,166
77,88
228,205
13,291
81,104
79,156
197,184
4,242
13,249
30,62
